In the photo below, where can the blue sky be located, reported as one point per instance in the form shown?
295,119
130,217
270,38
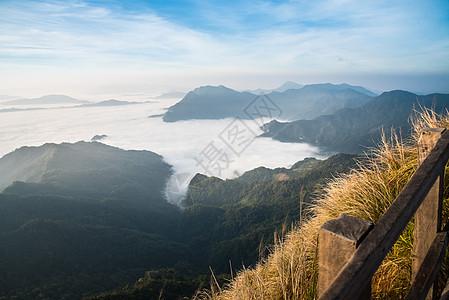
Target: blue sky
92,47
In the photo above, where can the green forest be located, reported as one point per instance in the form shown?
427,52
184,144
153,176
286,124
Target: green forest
93,222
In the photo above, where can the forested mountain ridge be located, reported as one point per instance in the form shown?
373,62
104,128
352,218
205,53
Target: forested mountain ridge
308,102
351,130
238,214
229,223
209,102
87,168
57,242
83,218
288,85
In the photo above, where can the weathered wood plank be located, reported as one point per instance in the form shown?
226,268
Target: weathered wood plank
428,215
377,244
337,241
429,269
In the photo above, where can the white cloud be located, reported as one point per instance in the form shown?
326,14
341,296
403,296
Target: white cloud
129,127
329,36
97,35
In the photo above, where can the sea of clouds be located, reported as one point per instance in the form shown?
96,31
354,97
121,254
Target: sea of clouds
210,147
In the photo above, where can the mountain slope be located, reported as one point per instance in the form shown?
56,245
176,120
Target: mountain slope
306,103
352,129
87,168
209,102
343,86
315,100
110,102
64,247
92,218
170,95
228,220
228,223
48,99
89,218
288,85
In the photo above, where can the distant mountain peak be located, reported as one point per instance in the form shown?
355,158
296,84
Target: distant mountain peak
110,102
288,85
351,130
342,86
47,99
170,95
218,102
211,88
397,92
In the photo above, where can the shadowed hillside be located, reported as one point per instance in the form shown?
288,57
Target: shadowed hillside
352,130
78,219
86,169
83,218
220,102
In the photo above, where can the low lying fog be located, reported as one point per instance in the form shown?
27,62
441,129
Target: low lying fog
222,148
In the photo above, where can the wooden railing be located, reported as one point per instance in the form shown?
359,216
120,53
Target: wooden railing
350,250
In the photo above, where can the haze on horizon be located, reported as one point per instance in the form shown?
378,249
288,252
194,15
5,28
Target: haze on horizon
85,48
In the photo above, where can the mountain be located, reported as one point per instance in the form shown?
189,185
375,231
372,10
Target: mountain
231,220
171,95
48,99
84,218
65,247
314,100
281,174
86,168
209,102
288,85
353,129
6,110
111,102
306,103
98,137
343,86
163,284
230,223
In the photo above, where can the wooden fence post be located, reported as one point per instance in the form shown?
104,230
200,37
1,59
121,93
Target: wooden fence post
428,215
337,241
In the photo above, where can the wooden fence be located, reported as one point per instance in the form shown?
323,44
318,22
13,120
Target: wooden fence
350,250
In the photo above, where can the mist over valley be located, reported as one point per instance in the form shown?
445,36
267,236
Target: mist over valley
129,127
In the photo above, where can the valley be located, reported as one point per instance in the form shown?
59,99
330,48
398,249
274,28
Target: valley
93,218
86,206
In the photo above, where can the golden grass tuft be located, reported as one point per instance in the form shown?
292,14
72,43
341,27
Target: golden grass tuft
290,270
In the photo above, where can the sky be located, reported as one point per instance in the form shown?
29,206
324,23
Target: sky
93,48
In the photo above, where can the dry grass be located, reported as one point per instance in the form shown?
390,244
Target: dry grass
290,271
